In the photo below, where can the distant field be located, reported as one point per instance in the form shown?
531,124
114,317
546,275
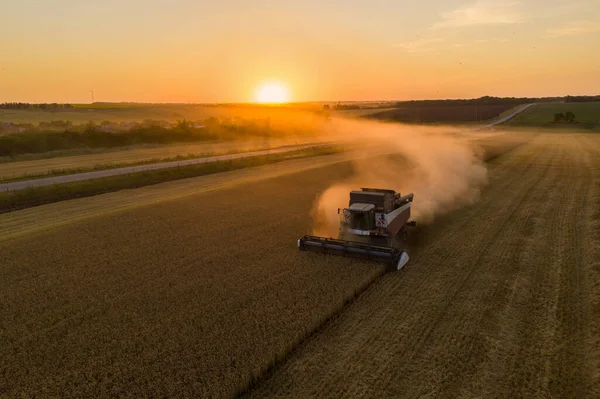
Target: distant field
442,113
587,115
119,105
357,113
117,114
97,113
83,113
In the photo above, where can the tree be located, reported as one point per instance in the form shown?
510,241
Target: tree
210,122
184,124
90,127
569,117
559,118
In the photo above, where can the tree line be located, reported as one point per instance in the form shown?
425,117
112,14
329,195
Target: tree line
90,135
582,99
485,100
34,106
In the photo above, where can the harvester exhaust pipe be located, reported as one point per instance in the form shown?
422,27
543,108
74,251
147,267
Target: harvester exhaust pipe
405,199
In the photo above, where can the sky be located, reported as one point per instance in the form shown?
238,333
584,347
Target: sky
222,51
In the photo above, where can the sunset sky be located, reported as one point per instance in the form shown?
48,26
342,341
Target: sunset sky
221,51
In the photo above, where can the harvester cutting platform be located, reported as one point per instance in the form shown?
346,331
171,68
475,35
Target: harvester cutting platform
372,227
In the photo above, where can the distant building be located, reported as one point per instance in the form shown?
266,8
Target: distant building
163,124
11,128
129,125
107,129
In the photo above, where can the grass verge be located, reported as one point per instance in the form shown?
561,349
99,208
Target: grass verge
77,152
71,171
35,196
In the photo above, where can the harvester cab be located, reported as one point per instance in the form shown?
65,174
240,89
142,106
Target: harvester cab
373,227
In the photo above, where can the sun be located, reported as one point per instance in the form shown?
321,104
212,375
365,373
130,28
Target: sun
272,93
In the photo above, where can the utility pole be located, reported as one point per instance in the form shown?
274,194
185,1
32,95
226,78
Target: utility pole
92,91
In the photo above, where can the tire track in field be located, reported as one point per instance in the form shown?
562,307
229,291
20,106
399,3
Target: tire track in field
455,346
591,143
519,325
569,370
399,294
527,334
458,345
528,371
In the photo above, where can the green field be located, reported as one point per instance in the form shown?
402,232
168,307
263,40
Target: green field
587,115
83,113
95,114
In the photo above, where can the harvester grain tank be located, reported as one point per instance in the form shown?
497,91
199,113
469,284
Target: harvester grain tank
373,227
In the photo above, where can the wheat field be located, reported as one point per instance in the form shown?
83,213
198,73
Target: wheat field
196,288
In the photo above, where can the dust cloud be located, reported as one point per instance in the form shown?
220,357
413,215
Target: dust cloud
439,165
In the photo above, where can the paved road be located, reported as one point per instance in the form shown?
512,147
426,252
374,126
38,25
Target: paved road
47,181
505,118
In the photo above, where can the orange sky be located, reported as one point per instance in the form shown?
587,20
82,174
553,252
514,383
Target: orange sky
188,51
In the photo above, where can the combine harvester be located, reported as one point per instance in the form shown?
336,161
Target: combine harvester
372,227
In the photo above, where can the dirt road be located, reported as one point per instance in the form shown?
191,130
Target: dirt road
505,118
501,299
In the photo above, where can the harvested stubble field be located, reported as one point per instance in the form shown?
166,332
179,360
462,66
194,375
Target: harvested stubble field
194,288
501,298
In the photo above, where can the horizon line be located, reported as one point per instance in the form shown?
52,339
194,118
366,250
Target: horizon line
252,103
